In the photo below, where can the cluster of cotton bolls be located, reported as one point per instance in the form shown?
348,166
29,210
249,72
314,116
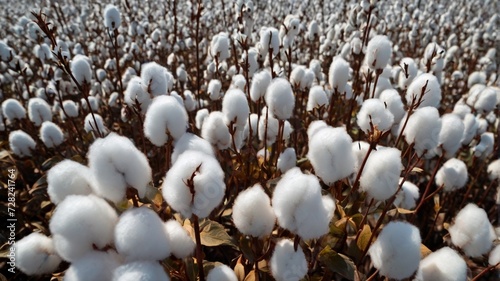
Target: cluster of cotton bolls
254,139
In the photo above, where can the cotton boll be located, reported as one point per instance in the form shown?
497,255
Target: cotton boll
407,196
219,46
452,175
410,70
50,134
165,118
112,18
430,97
94,265
373,112
222,273
214,87
68,178
80,223
314,127
444,264
80,67
494,170
452,131
35,255
140,235
90,125
287,160
486,100
380,176
189,101
396,252
235,108
260,82
117,164
251,125
423,129
207,183
268,127
392,100
269,40
238,81
470,128
201,115
280,99
317,98
154,78
39,111
252,212
330,154
338,74
215,130
180,242
140,271
136,93
297,75
494,256
191,142
378,52
12,109
21,143
71,108
485,146
286,263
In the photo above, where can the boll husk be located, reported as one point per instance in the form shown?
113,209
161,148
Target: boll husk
35,255
286,263
452,175
165,119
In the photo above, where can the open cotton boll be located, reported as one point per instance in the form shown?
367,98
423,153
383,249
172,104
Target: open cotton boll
201,115
494,170
189,101
214,87
12,109
68,178
314,127
35,255
207,183
80,223
51,135
238,81
222,273
380,176
452,175
219,46
117,164
297,75
486,101
485,146
396,252
280,99
90,125
251,125
235,108
80,67
140,271
461,110
307,80
470,128
330,154
286,263
180,242
260,82
39,111
392,100
317,98
252,212
287,160
21,143
444,264
136,93
299,206
269,40
112,18
430,97
373,112
165,118
494,256
472,231
378,52
190,141
338,74
94,265
71,109
423,129
154,78
407,196
140,235
410,69
215,130
452,131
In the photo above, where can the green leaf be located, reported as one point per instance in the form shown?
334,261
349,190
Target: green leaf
337,262
213,234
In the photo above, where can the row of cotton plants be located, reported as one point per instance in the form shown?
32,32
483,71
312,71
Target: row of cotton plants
252,140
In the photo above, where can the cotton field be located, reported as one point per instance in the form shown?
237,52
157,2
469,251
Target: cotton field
250,140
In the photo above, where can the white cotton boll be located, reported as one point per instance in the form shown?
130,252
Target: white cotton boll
314,127
472,231
80,67
189,101
80,223
140,235
71,108
287,160
136,93
191,142
208,183
252,212
260,82
117,164
93,101
392,100
51,135
219,46
12,109
396,252
140,271
201,115
113,98
215,130
297,74
317,98
165,118
494,170
410,68
432,94
180,242
112,18
380,176
235,108
452,131
101,74
470,128
238,81
286,263
444,264
269,40
35,255
338,74
485,146
90,125
94,265
378,52
486,101
373,112
251,125
299,206
222,273
307,80
68,178
214,87
476,77
406,198
330,154
21,143
423,129
452,175
280,98
154,78
39,111
271,124
494,256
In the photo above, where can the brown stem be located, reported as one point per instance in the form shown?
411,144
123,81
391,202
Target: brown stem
199,253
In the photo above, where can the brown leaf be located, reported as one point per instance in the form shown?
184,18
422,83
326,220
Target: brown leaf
213,234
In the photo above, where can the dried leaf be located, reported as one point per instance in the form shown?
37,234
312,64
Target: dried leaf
405,211
250,276
424,251
337,262
213,234
239,270
364,237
